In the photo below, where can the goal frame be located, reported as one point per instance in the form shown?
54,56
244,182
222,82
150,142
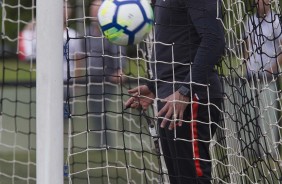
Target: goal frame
246,148
49,92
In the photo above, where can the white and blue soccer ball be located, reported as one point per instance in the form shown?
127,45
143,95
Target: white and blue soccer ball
125,22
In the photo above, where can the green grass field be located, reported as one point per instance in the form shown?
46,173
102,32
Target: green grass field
17,71
23,71
17,139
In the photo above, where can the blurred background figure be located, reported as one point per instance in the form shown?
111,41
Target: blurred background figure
263,55
27,42
72,47
263,31
105,64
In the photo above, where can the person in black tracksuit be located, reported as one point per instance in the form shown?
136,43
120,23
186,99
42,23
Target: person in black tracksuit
189,43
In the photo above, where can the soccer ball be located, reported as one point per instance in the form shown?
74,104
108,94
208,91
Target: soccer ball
125,22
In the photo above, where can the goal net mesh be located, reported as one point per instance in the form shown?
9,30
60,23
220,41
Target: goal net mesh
17,119
107,143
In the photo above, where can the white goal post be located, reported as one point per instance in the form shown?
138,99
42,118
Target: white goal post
49,92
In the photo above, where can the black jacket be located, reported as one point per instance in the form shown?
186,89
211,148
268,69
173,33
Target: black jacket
189,43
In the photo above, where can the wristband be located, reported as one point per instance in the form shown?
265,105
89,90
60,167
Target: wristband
184,91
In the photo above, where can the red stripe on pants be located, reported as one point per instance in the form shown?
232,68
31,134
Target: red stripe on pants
195,108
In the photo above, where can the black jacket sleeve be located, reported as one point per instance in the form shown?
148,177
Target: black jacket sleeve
205,16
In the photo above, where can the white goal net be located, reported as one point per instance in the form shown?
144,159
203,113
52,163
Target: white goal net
105,142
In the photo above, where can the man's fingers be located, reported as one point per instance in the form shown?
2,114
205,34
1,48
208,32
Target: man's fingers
133,99
132,102
133,90
177,118
135,105
129,102
166,118
163,123
180,119
163,110
174,123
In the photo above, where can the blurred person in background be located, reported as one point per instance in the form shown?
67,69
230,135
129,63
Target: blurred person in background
72,47
263,57
105,64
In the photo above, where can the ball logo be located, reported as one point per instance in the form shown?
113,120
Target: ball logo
130,16
113,33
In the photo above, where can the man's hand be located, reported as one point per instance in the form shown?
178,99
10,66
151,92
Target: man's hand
141,97
173,109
